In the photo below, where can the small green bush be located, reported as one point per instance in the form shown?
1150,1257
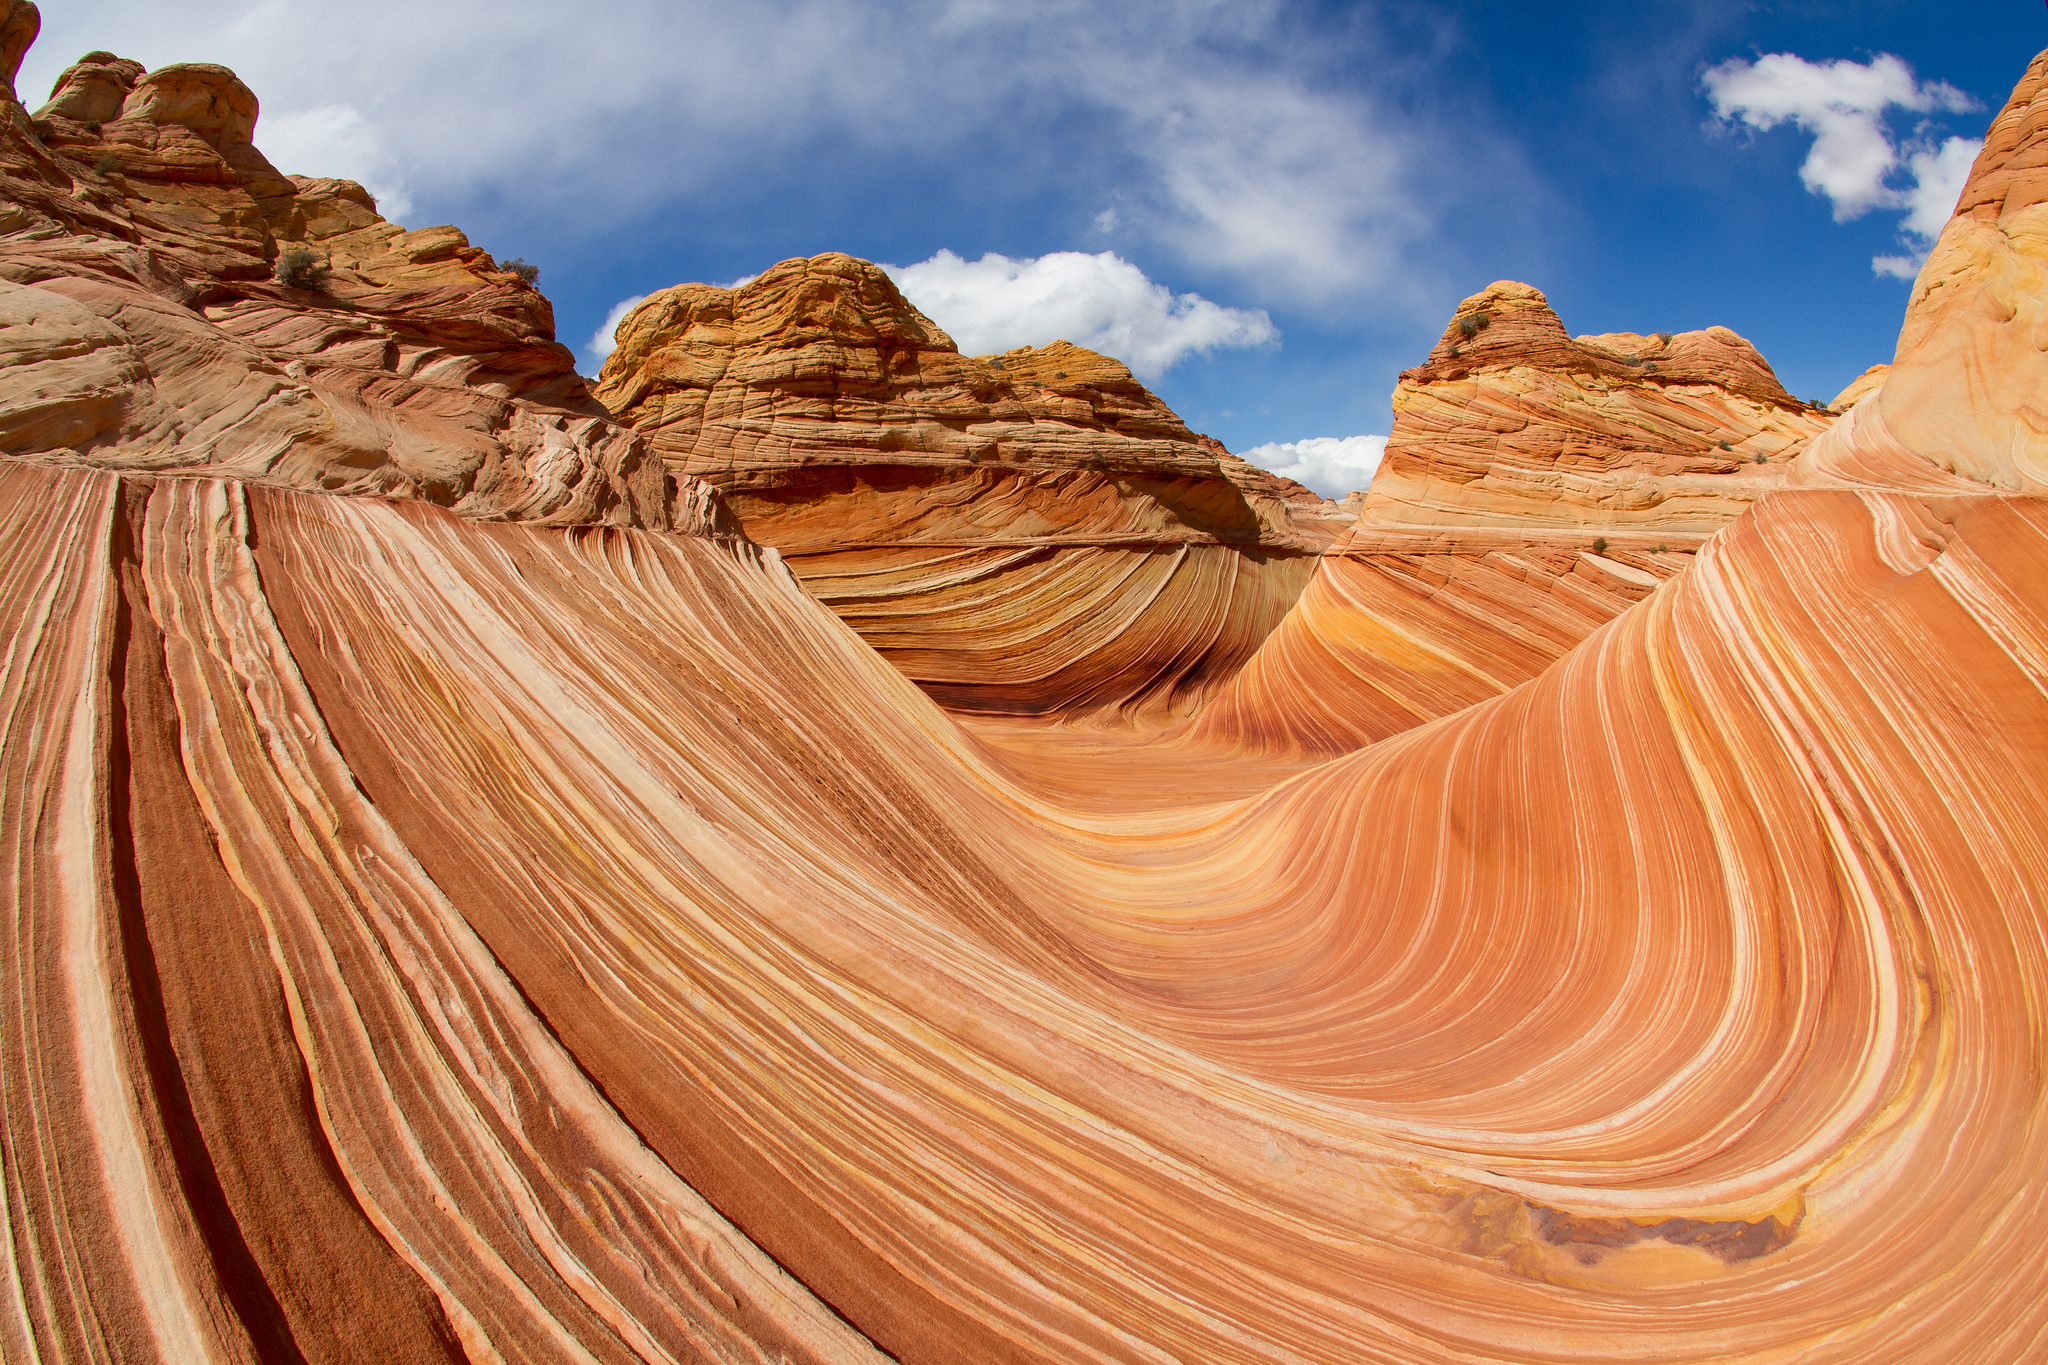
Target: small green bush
1662,548
1600,545
1724,445
1762,458
519,266
107,165
1664,337
1472,326
300,267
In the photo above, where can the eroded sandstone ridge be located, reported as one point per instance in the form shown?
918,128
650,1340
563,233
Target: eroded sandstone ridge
154,321
1030,533
1534,486
442,933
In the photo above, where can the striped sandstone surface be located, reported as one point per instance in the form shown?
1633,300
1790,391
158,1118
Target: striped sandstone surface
1027,534
1534,487
450,923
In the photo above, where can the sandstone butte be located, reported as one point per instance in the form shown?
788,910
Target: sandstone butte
472,902
1033,533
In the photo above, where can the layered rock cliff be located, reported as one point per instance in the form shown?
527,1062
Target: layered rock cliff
1031,533
170,302
1534,486
437,933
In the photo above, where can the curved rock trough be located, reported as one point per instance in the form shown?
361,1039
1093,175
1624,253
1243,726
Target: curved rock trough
829,849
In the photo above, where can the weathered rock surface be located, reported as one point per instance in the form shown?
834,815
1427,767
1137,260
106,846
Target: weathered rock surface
1030,533
453,938
1534,486
144,327
1964,389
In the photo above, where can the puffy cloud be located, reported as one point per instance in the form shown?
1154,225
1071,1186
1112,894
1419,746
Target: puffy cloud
335,139
1228,130
603,343
1938,178
1331,465
1100,301
1855,157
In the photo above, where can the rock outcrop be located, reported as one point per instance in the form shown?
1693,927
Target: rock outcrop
150,320
1964,390
1031,533
439,934
1535,485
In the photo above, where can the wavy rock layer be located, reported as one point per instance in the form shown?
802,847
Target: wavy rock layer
454,938
1683,971
1032,533
1534,487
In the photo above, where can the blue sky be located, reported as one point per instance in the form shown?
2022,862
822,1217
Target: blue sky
1329,179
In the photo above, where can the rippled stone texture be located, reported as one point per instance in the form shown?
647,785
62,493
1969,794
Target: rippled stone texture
1534,486
1032,533
145,323
453,938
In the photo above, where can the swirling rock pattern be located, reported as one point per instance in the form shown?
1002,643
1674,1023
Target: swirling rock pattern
1534,487
1033,533
437,936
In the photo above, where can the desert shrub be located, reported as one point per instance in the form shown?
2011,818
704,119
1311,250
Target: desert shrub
1059,374
300,267
1762,458
521,267
1472,326
1600,545
1664,337
93,128
1724,445
107,165
1662,548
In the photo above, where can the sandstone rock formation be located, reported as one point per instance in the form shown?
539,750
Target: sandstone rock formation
1029,533
439,934
1534,487
146,323
1963,391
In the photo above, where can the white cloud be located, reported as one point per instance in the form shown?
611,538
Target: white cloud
1227,130
335,140
1108,221
1939,175
1100,301
1855,157
1331,465
603,342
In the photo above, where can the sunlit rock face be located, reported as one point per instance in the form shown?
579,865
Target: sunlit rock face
436,934
1535,485
1033,533
1965,389
150,322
